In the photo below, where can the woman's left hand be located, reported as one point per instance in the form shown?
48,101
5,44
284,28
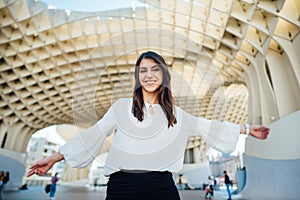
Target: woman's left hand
259,131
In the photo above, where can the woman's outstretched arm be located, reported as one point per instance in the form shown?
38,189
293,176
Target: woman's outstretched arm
41,167
256,131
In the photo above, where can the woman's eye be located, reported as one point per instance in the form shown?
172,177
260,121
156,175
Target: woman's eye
143,71
156,69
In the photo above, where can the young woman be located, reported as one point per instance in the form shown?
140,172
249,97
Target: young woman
150,139
54,180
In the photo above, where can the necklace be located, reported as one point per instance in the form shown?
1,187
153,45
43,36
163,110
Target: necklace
150,110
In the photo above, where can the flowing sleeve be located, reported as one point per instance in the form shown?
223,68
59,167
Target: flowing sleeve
222,136
83,148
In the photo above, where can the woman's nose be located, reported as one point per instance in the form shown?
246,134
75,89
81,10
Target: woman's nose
149,73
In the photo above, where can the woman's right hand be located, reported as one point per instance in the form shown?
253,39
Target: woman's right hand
42,167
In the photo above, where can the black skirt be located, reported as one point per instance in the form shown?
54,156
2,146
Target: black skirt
141,186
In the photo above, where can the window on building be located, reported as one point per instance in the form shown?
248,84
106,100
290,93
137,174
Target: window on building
189,156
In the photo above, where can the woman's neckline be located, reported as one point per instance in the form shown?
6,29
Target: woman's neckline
153,104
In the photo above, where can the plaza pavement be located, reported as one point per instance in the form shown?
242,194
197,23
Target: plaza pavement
88,193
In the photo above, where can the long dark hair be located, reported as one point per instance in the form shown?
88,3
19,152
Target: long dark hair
165,98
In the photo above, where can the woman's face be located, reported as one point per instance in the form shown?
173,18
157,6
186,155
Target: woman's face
150,75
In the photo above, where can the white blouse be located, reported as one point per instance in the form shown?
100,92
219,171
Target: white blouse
148,145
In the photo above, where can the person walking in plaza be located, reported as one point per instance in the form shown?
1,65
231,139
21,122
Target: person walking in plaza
209,191
95,183
4,178
181,182
150,138
1,184
54,180
228,184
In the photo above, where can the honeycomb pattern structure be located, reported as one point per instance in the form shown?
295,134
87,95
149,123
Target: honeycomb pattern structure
229,60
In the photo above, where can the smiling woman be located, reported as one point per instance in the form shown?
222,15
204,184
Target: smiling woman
150,138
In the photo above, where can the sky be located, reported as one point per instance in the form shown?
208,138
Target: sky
92,5
51,135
